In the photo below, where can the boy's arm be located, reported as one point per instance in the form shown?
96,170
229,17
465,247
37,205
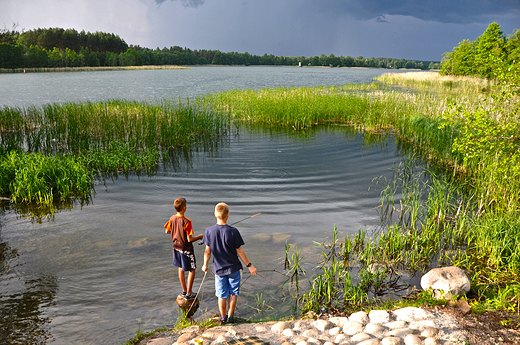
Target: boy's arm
207,255
243,257
192,238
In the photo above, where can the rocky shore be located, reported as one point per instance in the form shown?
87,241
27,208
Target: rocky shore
406,326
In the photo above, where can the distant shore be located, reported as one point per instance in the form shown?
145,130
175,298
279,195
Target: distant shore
82,69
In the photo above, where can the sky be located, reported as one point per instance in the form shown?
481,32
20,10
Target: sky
409,29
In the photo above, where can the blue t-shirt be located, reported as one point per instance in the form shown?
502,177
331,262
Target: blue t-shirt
224,240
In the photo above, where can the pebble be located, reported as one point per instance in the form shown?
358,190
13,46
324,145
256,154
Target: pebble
406,326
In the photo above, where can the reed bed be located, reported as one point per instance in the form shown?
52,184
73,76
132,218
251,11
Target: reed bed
102,137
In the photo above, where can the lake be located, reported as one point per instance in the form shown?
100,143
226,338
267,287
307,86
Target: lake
96,273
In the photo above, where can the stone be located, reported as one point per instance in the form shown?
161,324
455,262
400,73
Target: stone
360,337
213,333
391,341
322,325
302,325
185,337
360,317
261,329
328,343
324,337
279,327
342,339
429,332
188,306
376,330
313,341
288,332
464,306
396,324
412,339
159,341
446,282
370,342
410,314
302,343
338,321
431,341
400,333
353,327
379,316
335,331
310,333
221,339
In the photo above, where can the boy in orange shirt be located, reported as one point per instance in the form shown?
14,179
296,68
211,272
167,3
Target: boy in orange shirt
181,231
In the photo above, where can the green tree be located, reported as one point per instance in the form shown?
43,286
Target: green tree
489,49
512,48
11,56
461,60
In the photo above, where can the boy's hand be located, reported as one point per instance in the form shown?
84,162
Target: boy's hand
252,270
204,268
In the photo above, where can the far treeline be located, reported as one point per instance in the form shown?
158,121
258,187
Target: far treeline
56,47
485,56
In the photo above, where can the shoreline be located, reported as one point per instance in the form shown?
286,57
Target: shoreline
88,69
156,67
440,325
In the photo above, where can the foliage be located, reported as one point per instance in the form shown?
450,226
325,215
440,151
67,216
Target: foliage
483,57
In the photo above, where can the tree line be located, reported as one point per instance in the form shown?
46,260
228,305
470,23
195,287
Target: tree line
484,56
56,47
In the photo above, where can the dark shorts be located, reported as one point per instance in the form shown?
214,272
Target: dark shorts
184,260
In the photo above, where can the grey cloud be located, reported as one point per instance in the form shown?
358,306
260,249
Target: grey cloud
443,11
186,3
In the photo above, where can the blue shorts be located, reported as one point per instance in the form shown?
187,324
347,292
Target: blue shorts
184,260
228,285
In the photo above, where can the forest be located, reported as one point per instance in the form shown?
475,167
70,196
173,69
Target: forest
57,47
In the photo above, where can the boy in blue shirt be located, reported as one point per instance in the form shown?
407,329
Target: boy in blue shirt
225,242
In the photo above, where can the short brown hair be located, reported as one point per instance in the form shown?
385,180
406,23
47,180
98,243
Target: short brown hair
179,204
221,210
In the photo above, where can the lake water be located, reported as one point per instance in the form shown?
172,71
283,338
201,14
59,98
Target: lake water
96,273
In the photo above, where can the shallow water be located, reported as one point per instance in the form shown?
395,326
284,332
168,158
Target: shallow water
98,272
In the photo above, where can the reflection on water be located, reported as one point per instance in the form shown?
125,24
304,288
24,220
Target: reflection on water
91,272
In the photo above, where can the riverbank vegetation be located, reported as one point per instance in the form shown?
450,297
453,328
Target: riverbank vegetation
57,47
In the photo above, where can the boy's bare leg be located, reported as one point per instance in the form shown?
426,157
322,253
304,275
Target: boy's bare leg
232,304
222,306
191,279
182,279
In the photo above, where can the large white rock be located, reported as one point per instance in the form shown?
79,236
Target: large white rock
446,282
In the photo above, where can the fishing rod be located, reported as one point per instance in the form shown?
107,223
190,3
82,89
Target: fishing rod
254,215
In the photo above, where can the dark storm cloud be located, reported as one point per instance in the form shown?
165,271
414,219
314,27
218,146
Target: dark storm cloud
186,3
443,11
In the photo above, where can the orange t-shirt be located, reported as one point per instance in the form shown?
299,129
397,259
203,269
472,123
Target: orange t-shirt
180,228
